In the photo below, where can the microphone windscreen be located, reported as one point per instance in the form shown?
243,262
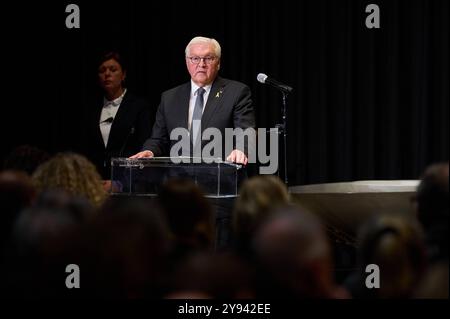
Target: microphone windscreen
261,78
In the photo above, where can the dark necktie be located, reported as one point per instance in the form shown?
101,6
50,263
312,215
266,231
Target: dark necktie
197,116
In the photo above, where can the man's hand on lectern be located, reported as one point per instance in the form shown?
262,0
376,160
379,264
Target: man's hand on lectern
238,157
143,154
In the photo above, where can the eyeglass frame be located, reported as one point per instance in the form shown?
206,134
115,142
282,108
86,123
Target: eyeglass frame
205,59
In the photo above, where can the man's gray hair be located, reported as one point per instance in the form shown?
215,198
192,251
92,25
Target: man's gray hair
203,40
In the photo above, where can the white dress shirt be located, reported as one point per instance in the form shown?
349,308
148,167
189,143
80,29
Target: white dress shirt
109,111
193,98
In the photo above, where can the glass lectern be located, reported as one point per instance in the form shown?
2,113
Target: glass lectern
144,177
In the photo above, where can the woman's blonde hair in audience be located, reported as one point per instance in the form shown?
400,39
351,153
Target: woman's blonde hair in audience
73,173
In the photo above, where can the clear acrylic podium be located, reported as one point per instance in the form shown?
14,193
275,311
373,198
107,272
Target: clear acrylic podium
144,177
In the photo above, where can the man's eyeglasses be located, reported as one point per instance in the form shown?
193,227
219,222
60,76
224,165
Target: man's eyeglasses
196,59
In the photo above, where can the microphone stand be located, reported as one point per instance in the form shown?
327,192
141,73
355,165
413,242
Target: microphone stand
282,129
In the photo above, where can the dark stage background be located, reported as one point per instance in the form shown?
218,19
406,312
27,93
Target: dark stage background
367,103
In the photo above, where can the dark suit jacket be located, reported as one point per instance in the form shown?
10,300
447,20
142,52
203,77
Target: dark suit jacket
129,130
229,105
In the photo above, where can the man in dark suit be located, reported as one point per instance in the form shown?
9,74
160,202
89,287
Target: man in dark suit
120,125
207,99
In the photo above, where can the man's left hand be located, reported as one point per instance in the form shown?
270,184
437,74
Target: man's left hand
238,157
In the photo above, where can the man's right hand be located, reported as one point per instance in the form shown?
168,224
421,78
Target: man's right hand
143,154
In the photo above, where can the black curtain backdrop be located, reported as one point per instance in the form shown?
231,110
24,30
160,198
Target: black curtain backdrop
367,103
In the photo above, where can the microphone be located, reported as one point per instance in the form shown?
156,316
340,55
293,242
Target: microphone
263,78
108,120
